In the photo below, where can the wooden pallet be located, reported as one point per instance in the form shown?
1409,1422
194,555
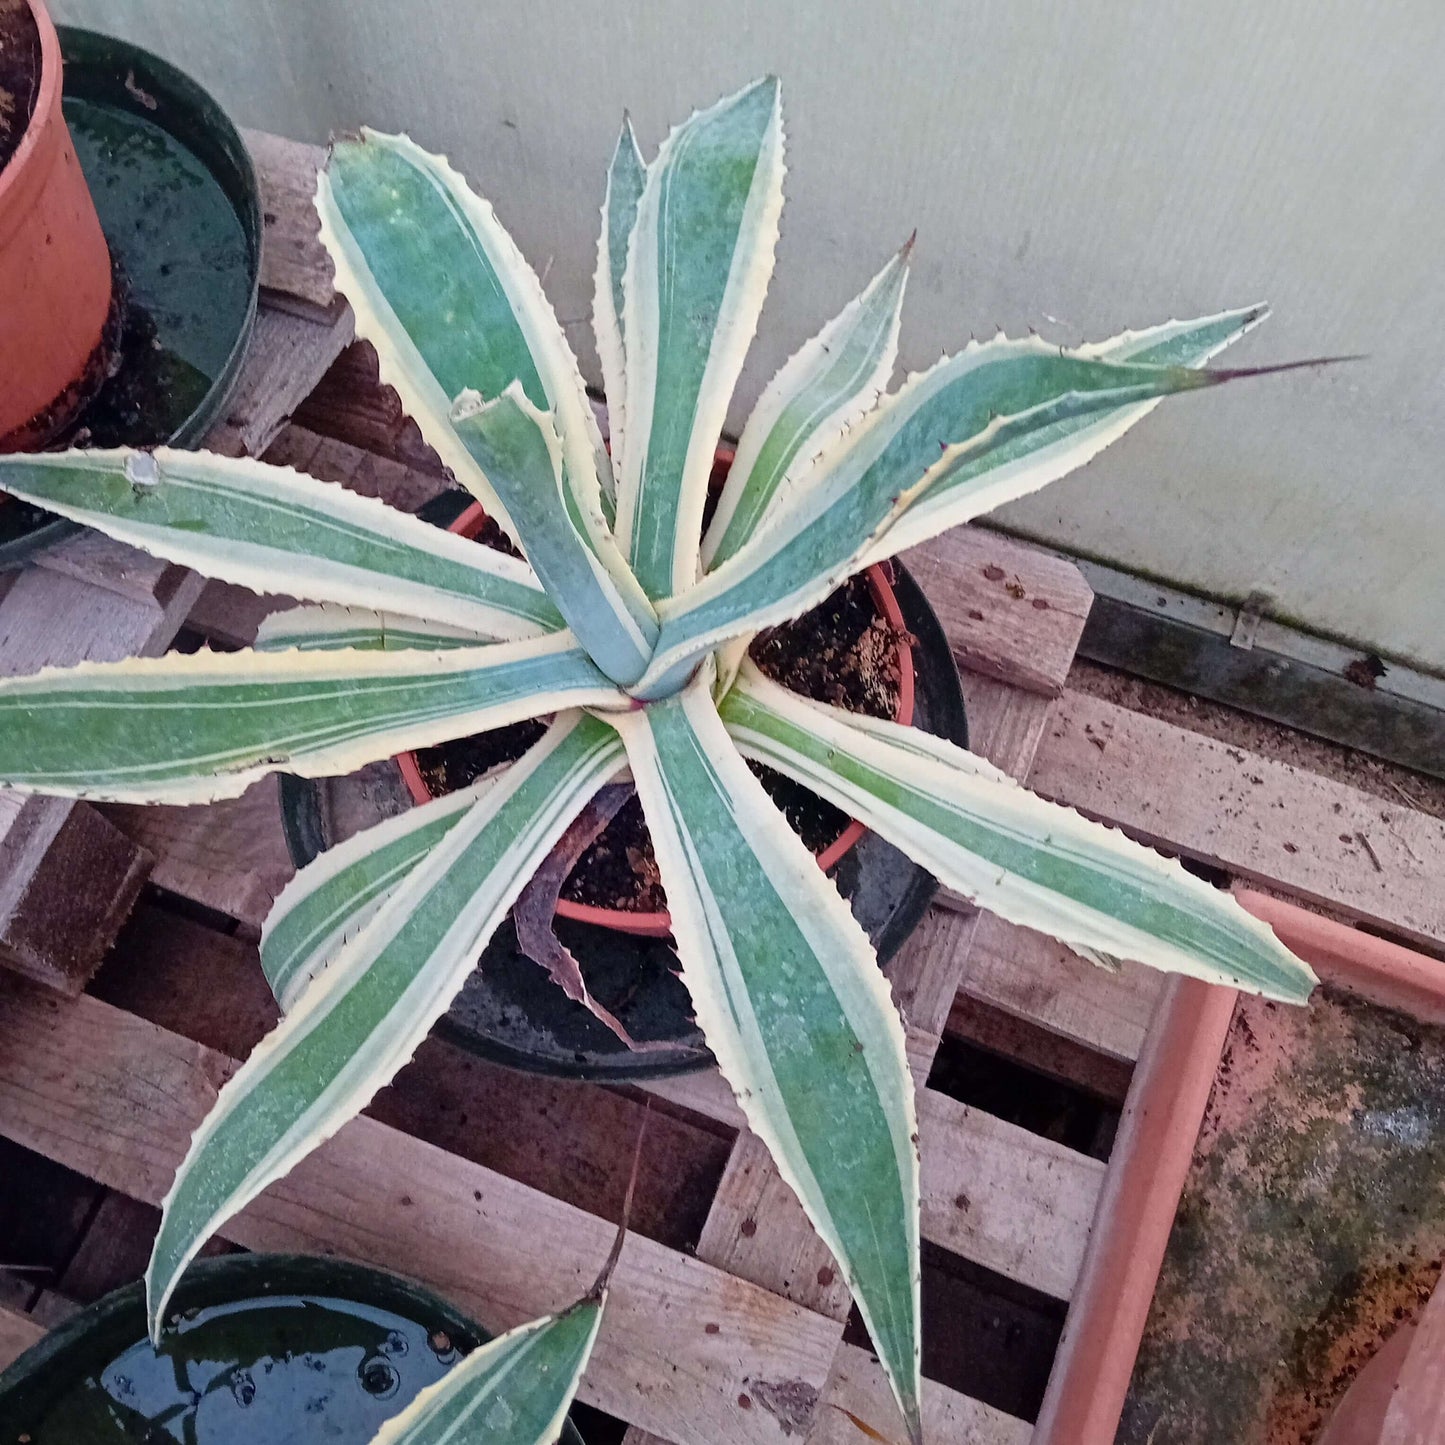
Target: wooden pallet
498,1189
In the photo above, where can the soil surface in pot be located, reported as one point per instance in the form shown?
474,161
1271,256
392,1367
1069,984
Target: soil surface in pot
843,652
19,74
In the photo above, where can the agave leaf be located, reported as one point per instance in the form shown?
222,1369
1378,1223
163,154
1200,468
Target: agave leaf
364,1017
1023,466
442,292
823,390
518,447
275,530
791,1001
514,1390
626,176
190,729
337,894
697,270
995,400
328,628
1034,863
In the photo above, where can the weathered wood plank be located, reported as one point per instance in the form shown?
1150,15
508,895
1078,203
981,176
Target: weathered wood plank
352,405
857,1390
756,1229
996,1194
288,356
116,1098
227,616
396,483
125,571
572,1141
17,1333
1041,1050
1011,612
1260,818
230,856
68,878
1036,978
295,269
993,1192
91,600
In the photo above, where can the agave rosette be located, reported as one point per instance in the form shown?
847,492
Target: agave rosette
628,625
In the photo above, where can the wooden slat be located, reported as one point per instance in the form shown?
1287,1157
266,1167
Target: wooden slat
857,1391
1260,818
1011,612
117,1098
227,616
120,570
397,483
55,616
1032,976
68,878
288,355
756,1229
996,1031
352,405
230,856
1005,724
295,269
570,1140
997,1194
17,1333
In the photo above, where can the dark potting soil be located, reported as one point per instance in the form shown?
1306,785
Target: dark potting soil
19,74
149,387
843,652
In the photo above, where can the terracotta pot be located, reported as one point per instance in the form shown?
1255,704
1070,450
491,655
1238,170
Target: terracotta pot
55,274
1399,1396
659,925
1150,1165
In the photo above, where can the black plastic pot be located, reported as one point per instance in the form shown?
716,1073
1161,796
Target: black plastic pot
259,1350
177,198
511,1012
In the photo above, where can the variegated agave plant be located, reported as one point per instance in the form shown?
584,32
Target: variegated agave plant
630,628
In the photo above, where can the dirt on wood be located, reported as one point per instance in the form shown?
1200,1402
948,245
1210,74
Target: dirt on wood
1387,781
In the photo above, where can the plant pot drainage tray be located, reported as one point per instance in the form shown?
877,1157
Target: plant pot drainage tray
176,195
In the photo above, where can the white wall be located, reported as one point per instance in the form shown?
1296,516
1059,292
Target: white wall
1075,165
